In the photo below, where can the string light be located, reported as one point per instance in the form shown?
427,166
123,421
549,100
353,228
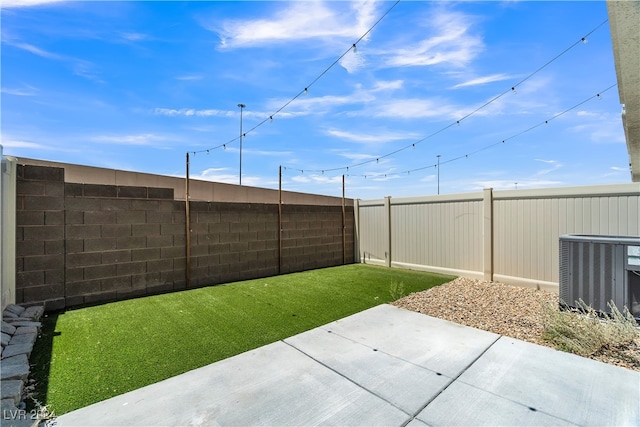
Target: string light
466,156
306,89
457,122
354,47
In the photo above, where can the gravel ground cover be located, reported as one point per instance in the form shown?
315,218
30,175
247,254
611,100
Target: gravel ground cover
503,309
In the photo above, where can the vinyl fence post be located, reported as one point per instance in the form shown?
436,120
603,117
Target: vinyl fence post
387,223
487,207
356,231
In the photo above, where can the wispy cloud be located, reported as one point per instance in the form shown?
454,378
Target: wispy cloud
139,139
553,163
226,176
482,80
80,67
192,112
414,109
24,91
298,21
316,179
600,128
134,36
26,3
36,50
190,77
378,137
450,42
358,157
12,143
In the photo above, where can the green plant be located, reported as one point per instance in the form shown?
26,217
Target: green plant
396,290
585,332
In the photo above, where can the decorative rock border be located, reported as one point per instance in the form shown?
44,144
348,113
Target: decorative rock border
20,328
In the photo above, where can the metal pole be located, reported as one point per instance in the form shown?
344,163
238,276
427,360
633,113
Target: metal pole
438,156
187,221
279,219
241,107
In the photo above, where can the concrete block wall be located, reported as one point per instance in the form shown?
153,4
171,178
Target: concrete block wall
122,242
82,243
233,241
312,237
40,244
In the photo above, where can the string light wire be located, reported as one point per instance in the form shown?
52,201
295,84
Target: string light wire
486,147
270,117
457,122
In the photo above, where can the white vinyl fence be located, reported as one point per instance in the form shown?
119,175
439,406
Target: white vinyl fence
8,229
507,236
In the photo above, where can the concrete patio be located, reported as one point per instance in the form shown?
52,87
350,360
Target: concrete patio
384,366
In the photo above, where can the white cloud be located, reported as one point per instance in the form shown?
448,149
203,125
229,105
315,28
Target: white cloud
379,137
26,91
483,80
413,109
357,157
134,37
37,51
450,42
298,21
25,3
140,139
224,175
317,179
353,62
189,77
554,163
600,128
387,85
80,67
192,112
11,143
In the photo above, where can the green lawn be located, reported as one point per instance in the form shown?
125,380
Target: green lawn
90,354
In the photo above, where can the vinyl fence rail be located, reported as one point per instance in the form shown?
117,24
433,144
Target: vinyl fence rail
508,236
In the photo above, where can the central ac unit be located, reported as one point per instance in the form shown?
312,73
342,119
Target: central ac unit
600,269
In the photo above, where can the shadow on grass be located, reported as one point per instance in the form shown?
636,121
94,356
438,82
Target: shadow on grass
40,360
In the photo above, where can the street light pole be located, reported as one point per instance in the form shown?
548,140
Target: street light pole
438,156
241,107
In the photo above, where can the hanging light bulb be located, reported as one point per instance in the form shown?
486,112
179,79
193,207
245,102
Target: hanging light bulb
513,89
355,48
584,40
271,119
306,91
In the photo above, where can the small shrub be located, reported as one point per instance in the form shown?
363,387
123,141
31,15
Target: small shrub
585,332
396,290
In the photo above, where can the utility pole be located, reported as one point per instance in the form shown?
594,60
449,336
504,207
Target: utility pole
241,136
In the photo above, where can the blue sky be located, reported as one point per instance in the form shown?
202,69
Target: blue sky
137,85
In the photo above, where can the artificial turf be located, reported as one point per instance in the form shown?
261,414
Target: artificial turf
90,354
